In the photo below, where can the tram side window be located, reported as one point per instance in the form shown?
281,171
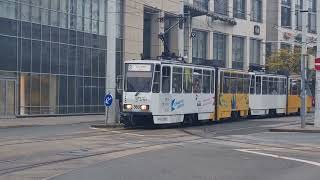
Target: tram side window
285,86
270,85
233,83
295,87
246,84
206,81
166,72
280,86
222,83
213,82
197,81
252,85
156,80
264,85
240,84
258,85
177,80
275,86
187,80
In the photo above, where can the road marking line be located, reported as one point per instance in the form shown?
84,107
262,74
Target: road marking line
280,157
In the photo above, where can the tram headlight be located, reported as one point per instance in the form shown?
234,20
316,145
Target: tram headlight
128,106
144,107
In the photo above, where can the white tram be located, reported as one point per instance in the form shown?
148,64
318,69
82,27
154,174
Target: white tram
268,94
167,92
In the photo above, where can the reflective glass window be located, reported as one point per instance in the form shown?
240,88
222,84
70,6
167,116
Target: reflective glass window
54,34
95,62
26,55
102,63
45,57
72,60
54,58
36,31
36,56
46,33
8,53
26,29
87,62
63,59
72,37
63,35
8,26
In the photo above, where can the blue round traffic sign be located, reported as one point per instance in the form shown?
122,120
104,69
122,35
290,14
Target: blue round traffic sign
108,100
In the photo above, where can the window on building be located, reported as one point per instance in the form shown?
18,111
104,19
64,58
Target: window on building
219,47
255,51
221,7
237,52
239,9
203,4
286,13
299,5
256,10
147,23
312,16
199,45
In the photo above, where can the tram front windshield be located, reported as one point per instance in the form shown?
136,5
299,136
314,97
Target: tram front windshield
138,77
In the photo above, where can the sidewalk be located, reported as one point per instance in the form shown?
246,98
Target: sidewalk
296,128
49,121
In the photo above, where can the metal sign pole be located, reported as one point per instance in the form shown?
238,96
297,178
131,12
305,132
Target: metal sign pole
106,121
108,102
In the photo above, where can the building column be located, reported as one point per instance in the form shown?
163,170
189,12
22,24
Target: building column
230,8
210,46
293,14
246,55
111,59
263,53
156,28
211,5
229,51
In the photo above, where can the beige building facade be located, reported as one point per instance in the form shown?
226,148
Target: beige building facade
227,33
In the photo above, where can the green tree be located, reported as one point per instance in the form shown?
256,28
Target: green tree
284,61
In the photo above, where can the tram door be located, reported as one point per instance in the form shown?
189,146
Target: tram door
7,98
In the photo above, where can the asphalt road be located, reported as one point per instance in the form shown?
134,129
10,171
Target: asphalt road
241,150
198,162
226,154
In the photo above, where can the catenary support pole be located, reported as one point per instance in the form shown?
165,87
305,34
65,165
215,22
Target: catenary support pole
181,30
317,92
111,59
304,14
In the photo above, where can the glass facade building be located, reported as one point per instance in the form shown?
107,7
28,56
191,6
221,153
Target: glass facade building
56,50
